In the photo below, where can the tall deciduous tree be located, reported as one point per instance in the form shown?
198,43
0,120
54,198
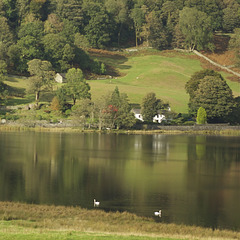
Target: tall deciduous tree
213,8
6,36
28,45
170,16
100,111
9,10
34,29
138,17
196,29
113,110
120,110
192,85
39,8
68,32
23,8
42,76
62,98
158,37
76,86
215,96
53,24
3,70
231,16
70,10
118,9
83,112
53,48
99,27
149,107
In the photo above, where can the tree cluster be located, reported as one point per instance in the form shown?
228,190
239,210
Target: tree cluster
108,112
59,31
209,92
152,106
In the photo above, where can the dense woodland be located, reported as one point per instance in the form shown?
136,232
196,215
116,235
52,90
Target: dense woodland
60,31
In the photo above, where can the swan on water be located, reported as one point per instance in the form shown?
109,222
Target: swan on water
96,203
159,213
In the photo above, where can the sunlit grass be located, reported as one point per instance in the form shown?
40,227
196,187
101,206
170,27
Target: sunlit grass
9,230
17,81
164,73
29,221
166,76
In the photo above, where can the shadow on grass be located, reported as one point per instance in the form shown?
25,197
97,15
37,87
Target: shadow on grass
17,92
47,96
11,80
113,62
20,101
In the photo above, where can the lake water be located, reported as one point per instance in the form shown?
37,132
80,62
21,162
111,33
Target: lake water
194,180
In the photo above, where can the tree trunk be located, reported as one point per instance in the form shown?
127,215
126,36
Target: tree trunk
136,40
37,96
136,32
119,35
100,125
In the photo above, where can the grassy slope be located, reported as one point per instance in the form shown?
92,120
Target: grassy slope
165,75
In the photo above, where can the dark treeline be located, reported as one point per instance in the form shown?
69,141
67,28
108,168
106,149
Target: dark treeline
60,31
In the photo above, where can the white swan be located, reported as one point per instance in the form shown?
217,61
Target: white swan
95,203
159,213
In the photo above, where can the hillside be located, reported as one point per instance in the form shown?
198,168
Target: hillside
163,72
137,73
222,54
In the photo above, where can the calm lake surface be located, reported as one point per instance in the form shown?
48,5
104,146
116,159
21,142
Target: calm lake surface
195,180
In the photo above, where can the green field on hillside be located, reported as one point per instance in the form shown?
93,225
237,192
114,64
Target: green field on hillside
136,75
165,75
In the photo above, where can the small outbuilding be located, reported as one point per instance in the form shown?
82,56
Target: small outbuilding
60,77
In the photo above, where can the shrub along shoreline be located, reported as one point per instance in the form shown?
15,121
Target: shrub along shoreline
20,219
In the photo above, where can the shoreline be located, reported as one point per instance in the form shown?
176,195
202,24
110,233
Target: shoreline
33,218
208,129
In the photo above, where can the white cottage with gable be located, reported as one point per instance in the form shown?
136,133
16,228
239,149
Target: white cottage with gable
137,114
157,118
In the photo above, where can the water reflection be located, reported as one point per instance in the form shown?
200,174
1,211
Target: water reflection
193,179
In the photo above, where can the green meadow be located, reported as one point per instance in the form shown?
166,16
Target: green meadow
164,73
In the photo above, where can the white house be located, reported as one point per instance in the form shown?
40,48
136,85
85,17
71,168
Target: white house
137,114
157,118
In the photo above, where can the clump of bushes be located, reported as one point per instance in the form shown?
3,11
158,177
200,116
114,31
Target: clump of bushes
182,119
98,67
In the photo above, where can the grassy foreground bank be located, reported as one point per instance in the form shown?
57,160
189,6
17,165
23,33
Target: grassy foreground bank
29,221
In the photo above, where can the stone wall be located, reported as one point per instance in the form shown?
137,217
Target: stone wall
205,127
